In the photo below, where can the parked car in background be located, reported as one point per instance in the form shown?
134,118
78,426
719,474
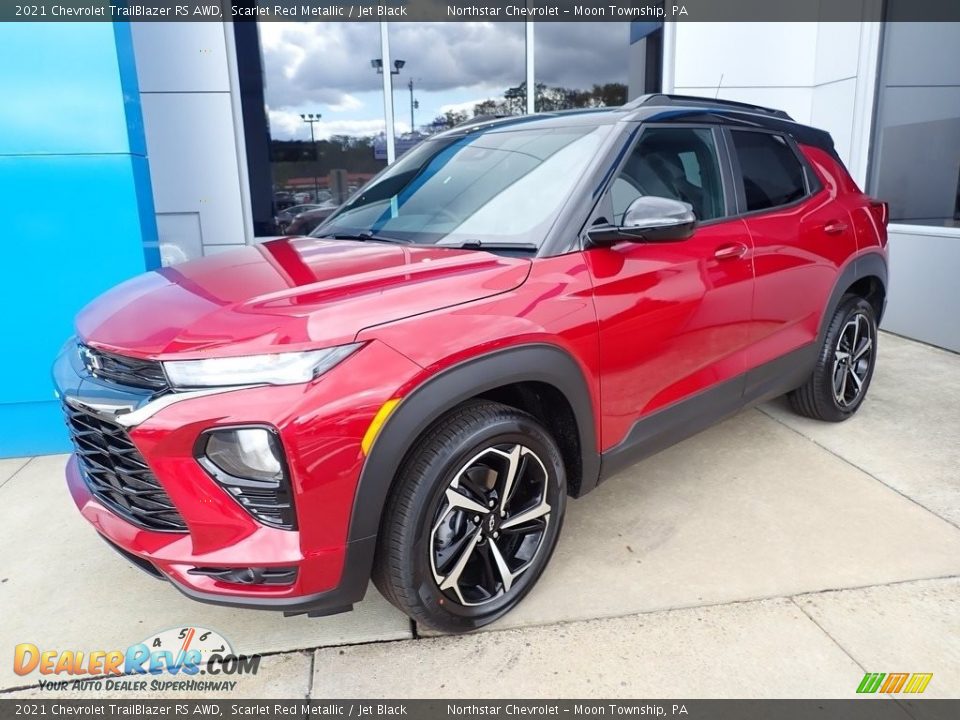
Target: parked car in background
281,201
286,216
304,223
511,313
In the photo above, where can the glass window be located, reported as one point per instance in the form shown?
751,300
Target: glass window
676,163
325,110
772,174
504,186
585,64
915,156
452,72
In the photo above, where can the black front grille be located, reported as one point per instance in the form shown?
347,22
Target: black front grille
117,474
124,370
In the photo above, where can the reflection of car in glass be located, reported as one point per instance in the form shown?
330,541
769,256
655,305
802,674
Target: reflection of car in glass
282,200
305,222
285,217
511,313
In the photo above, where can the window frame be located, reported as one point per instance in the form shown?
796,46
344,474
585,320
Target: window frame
812,184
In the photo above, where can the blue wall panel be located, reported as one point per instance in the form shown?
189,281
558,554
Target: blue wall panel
76,213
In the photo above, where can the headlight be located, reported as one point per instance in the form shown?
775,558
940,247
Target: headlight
287,368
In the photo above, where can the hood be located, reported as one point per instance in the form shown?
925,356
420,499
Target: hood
288,294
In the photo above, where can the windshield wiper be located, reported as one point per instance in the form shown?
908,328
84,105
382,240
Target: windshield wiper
493,246
364,237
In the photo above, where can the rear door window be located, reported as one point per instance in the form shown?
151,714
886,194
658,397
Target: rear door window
771,172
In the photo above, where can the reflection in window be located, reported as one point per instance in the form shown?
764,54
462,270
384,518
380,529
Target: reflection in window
600,64
915,160
325,107
680,164
504,186
454,72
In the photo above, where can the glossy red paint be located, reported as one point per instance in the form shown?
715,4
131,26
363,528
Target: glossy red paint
289,294
321,425
648,325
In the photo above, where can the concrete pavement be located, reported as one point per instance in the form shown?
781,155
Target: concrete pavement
769,556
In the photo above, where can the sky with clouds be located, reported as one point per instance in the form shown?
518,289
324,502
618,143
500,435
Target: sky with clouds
325,68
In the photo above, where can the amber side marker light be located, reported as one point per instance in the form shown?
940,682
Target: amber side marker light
378,420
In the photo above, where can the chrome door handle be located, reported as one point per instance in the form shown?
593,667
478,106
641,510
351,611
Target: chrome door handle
731,251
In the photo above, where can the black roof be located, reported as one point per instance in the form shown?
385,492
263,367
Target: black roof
660,107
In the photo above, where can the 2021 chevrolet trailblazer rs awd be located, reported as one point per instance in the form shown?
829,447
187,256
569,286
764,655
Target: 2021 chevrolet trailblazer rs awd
514,311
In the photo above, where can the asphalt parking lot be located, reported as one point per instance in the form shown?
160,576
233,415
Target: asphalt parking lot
770,556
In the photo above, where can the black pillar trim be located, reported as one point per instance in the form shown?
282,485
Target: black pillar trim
653,62
256,129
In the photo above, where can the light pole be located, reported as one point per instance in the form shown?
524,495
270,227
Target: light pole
312,118
377,64
414,104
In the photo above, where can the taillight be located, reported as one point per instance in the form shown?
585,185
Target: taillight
880,211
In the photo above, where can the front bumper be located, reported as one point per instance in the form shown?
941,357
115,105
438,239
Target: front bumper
321,425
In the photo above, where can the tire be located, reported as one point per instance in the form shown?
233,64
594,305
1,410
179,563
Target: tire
439,554
838,385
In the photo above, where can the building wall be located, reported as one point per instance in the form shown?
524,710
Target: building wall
826,74
916,167
75,201
821,73
191,109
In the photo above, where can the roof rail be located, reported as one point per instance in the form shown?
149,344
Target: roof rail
477,119
694,101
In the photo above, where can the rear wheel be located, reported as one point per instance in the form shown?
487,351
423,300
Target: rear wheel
473,519
841,378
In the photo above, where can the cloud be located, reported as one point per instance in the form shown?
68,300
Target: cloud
287,124
466,106
327,65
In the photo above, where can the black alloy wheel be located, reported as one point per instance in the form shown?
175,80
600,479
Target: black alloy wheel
840,380
473,519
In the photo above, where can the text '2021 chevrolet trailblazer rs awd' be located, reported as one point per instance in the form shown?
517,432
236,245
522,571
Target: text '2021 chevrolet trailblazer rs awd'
515,310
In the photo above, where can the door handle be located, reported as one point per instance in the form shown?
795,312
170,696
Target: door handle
834,227
730,251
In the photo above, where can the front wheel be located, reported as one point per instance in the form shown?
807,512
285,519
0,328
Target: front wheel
841,378
473,518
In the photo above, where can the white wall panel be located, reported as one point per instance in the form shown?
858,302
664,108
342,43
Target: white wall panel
838,49
193,161
192,134
180,57
833,110
753,54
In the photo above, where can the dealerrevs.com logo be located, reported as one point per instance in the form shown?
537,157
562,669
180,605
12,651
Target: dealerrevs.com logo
186,652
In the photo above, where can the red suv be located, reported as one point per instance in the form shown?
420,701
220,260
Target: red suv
514,311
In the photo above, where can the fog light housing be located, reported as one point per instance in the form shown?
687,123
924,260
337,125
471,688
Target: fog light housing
249,575
248,462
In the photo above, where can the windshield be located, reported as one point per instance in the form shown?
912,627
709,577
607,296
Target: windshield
497,187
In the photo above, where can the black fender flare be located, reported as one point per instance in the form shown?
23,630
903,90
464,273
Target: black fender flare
539,362
870,264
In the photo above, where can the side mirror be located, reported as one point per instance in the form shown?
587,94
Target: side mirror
648,219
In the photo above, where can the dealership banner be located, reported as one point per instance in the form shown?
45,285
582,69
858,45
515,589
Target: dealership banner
487,709
474,10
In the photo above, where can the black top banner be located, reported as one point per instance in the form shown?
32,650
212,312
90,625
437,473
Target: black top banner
481,10
859,709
